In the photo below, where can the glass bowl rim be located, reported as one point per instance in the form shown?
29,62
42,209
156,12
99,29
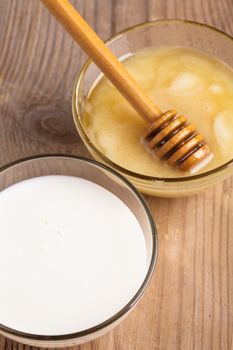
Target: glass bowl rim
153,260
106,160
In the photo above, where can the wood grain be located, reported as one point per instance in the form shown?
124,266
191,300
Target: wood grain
189,303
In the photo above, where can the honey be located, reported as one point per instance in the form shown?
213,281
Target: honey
194,83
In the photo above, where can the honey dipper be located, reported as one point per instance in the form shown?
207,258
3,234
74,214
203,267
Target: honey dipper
170,136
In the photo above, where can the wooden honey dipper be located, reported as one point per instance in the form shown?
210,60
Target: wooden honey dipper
169,135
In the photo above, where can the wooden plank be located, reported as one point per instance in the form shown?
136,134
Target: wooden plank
189,304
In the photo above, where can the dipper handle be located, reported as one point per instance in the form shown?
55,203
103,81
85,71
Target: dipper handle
95,48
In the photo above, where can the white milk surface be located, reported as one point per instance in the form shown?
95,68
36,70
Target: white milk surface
71,255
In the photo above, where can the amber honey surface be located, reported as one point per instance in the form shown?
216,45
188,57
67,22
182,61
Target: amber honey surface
194,83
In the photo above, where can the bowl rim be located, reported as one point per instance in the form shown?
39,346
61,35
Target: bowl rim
137,296
101,156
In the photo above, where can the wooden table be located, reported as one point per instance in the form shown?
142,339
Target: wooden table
189,303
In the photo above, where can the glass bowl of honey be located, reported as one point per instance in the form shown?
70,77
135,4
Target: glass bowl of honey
181,65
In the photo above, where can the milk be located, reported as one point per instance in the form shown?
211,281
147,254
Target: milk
71,255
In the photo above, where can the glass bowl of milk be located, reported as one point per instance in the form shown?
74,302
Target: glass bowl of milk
179,64
78,247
